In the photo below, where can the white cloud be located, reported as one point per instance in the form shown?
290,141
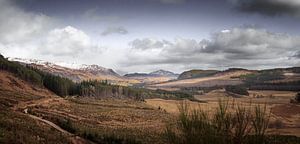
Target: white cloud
21,31
29,35
238,47
67,41
147,43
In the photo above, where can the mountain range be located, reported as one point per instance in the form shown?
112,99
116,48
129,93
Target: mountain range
80,72
160,79
158,73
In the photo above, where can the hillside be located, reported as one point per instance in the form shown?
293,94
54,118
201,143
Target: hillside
163,73
196,74
228,77
153,77
282,79
17,94
77,72
31,114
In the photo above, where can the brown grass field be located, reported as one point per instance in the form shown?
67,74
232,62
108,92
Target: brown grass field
285,117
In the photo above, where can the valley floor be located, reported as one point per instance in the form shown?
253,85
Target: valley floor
285,117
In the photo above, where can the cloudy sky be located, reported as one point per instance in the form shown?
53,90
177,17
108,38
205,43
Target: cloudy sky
146,35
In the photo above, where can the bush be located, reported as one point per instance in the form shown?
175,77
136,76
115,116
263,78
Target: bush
108,139
237,90
66,124
241,126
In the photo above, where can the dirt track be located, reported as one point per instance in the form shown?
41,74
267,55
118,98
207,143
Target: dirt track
23,106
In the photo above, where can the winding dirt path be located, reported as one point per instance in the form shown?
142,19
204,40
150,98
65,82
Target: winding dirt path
73,138
23,106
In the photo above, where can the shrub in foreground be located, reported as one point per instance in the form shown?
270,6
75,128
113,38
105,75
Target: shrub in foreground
238,126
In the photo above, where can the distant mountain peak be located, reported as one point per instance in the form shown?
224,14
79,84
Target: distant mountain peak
96,68
162,72
158,73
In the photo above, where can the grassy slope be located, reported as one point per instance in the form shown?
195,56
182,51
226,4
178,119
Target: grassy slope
111,119
16,127
196,74
123,119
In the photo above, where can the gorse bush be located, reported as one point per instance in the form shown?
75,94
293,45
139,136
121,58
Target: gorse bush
238,126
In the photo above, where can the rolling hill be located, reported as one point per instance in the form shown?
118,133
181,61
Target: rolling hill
196,74
153,77
227,77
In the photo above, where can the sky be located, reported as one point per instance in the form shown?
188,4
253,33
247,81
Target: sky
147,35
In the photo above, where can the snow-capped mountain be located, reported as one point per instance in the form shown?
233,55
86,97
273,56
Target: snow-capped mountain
74,71
75,66
153,77
158,73
95,69
79,72
164,73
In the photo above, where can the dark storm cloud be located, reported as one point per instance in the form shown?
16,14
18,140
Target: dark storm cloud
269,7
114,30
239,47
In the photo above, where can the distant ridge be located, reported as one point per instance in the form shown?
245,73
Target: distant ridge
196,74
158,73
